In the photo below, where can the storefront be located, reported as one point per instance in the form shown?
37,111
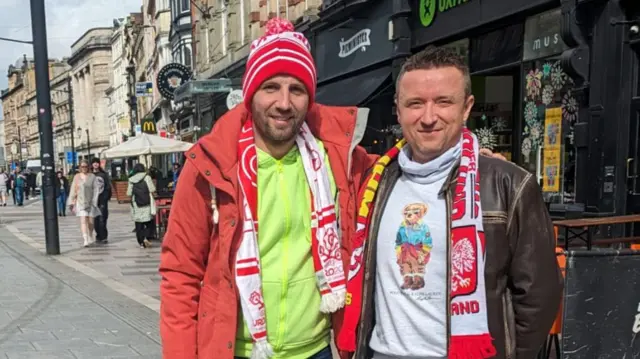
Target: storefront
354,56
524,106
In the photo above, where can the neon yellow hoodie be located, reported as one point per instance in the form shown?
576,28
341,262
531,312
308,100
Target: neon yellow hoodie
295,327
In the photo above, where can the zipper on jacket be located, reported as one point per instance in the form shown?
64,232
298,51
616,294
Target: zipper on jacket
448,200
285,257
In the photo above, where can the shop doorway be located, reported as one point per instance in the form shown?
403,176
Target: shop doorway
494,116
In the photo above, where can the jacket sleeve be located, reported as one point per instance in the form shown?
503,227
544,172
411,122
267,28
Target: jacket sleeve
535,279
183,258
363,163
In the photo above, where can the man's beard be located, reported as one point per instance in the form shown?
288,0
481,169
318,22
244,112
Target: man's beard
275,135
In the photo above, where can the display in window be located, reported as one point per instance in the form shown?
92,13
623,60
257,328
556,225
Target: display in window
491,118
552,150
549,112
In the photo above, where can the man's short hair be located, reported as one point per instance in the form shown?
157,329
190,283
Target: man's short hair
433,58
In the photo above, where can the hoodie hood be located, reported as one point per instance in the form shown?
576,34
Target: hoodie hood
137,177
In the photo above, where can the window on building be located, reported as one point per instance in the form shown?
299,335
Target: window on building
187,56
222,5
186,6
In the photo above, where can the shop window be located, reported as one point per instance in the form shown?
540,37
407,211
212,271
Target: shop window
491,118
550,112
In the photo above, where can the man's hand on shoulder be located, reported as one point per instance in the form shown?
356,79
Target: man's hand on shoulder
488,153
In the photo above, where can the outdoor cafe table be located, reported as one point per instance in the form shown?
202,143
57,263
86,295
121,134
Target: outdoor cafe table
582,229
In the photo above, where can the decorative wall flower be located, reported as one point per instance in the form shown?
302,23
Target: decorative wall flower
547,95
486,138
570,108
499,124
530,112
525,149
546,69
534,83
558,77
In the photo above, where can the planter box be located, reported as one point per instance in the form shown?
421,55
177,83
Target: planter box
120,190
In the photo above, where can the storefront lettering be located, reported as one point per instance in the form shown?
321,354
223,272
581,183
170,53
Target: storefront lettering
428,9
547,41
360,40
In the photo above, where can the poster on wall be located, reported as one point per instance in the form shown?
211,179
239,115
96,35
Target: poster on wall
552,150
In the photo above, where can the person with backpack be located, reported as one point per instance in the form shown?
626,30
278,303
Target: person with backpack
83,200
143,208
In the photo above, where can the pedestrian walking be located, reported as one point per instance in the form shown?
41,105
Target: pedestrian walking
102,233
4,187
83,200
62,192
462,249
39,183
143,207
11,186
19,185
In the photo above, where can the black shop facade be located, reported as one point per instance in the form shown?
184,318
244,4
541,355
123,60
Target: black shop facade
525,107
353,56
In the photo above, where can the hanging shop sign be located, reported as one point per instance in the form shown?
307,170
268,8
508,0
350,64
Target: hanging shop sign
149,126
170,77
144,89
234,99
542,35
359,43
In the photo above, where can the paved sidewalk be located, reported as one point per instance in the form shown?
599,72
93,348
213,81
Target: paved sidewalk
50,311
29,220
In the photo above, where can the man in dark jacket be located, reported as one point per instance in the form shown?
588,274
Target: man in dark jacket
454,255
103,201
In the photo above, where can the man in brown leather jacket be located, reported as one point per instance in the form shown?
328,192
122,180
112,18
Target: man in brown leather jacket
454,254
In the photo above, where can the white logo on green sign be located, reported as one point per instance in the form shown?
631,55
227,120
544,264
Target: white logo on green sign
428,9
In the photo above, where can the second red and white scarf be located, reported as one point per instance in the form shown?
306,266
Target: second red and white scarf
325,241
470,338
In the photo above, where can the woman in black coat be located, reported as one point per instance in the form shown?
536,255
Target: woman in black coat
62,191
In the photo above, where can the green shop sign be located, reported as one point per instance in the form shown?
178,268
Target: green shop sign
428,9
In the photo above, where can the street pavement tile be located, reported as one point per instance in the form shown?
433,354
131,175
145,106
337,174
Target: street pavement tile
54,311
56,354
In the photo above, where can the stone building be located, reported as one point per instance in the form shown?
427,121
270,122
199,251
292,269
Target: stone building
21,78
223,31
91,66
30,110
3,159
117,94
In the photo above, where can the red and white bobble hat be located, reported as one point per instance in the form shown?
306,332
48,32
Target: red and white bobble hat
281,51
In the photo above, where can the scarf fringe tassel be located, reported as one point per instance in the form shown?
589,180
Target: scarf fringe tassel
471,347
332,302
261,350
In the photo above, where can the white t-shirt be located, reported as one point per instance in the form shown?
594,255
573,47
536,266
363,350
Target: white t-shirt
411,268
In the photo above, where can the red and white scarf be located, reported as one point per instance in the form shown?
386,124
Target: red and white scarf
470,338
325,242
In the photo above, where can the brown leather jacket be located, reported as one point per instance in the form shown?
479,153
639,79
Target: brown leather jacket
523,281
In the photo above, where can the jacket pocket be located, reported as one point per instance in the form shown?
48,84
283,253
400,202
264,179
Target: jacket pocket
206,315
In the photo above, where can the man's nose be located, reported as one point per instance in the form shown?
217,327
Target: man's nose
284,100
429,117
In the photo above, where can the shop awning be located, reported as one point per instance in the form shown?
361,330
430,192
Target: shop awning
354,90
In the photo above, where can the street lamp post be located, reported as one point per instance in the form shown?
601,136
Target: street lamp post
43,100
132,101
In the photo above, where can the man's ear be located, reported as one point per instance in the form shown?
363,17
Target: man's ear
468,105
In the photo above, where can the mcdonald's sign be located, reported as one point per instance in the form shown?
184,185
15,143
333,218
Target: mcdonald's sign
149,126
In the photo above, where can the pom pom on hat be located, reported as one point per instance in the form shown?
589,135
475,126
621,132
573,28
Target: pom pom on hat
277,25
281,51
